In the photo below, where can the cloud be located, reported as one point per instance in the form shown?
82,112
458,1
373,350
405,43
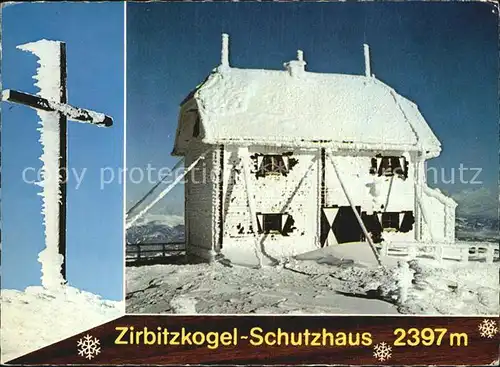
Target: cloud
11,3
477,202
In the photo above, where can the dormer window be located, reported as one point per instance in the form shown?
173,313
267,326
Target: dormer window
389,166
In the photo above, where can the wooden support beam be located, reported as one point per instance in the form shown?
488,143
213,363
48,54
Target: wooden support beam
245,158
139,202
162,194
63,159
360,221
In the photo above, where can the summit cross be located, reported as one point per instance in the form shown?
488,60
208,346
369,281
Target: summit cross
51,106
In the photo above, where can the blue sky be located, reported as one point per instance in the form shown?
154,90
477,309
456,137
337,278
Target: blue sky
94,39
443,56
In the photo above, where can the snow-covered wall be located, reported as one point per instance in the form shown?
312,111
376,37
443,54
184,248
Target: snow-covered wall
298,194
200,212
371,192
295,194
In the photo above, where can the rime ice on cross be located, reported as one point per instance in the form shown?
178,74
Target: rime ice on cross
51,106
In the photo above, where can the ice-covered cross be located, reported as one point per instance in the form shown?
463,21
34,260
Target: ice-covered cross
51,106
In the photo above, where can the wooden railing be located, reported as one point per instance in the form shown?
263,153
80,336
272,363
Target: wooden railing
459,251
137,252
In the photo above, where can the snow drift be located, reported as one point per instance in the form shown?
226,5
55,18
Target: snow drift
39,317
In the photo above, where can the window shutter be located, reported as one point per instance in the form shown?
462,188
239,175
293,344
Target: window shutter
379,166
284,219
260,222
260,161
402,163
285,162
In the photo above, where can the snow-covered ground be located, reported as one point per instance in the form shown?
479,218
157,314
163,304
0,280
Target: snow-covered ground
448,288
38,317
216,288
319,285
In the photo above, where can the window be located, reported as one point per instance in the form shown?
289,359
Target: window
196,127
272,165
390,220
389,166
275,223
399,221
271,223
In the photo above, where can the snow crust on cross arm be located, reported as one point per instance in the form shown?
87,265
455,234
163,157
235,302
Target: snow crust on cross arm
74,113
48,80
48,75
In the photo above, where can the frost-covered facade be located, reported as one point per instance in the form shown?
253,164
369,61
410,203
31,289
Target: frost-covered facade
288,154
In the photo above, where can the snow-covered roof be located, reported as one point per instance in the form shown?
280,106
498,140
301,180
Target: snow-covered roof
273,107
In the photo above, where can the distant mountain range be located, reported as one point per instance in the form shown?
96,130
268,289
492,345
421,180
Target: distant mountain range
468,228
155,232
478,203
477,228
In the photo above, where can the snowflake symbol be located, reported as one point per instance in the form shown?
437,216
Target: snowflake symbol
488,328
88,347
382,351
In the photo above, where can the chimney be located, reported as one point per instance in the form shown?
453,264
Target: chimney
224,55
368,71
296,67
